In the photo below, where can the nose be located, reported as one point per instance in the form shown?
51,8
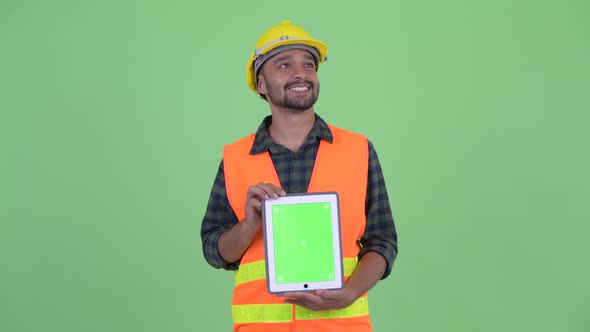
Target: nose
300,72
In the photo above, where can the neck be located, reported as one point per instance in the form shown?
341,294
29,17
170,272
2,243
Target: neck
290,129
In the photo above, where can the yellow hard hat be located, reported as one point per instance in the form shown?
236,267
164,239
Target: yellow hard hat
284,33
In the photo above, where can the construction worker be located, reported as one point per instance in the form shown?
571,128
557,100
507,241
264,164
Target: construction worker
295,151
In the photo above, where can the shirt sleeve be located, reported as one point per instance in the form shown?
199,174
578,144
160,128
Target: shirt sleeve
380,235
219,217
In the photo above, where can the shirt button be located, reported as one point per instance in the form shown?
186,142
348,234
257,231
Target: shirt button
295,156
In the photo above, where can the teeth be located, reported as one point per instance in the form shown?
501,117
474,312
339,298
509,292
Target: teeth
299,89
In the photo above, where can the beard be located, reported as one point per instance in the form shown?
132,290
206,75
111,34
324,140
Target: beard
298,103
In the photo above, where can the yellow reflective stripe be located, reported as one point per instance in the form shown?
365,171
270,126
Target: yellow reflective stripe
257,270
348,265
280,313
359,308
250,272
261,313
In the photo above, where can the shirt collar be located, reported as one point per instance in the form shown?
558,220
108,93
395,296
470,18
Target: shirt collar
263,142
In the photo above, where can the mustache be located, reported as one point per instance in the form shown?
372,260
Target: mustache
308,82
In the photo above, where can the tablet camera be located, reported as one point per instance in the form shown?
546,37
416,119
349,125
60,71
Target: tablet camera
305,286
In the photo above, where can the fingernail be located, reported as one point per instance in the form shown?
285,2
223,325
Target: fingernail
275,195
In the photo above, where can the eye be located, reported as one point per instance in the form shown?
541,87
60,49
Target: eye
284,65
310,65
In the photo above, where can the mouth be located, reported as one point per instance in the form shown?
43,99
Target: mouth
300,87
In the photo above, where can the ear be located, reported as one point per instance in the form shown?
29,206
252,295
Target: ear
261,85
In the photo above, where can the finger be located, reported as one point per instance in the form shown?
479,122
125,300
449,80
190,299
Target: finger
278,190
308,298
257,192
295,295
327,294
269,189
255,203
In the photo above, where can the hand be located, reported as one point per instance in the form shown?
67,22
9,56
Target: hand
254,199
322,299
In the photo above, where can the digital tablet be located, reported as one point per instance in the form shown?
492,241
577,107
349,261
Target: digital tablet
303,249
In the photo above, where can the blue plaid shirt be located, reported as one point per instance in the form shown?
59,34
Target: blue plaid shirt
294,170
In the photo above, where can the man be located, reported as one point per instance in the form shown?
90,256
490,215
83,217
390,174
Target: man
295,151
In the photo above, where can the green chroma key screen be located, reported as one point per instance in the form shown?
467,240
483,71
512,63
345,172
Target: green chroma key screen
303,242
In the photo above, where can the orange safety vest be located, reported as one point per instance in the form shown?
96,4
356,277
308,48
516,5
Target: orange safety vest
341,166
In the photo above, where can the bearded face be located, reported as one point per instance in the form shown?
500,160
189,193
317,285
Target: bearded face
289,80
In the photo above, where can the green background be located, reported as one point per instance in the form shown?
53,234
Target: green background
114,115
302,242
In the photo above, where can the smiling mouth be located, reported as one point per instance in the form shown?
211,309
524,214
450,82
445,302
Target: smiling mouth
299,88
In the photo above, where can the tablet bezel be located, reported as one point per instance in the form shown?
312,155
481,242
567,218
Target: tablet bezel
321,197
